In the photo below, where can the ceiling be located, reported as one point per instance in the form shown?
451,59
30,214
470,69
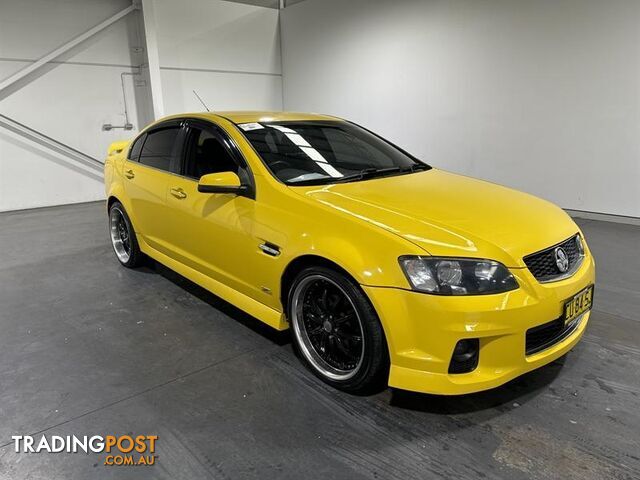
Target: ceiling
267,3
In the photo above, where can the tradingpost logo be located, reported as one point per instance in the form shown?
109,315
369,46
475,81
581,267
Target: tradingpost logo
120,450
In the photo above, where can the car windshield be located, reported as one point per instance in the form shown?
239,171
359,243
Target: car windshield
322,152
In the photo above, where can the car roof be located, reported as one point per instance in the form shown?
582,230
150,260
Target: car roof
238,117
270,116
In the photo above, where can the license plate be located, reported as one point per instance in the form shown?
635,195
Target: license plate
578,304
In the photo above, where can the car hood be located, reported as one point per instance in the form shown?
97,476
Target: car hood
451,215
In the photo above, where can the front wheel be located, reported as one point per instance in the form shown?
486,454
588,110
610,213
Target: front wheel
337,332
123,237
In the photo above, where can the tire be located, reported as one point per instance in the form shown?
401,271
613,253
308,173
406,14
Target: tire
123,237
328,312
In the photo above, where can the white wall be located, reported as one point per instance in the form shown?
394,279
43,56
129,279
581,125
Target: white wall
228,52
68,100
543,95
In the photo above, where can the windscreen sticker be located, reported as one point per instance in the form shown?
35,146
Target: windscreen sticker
247,127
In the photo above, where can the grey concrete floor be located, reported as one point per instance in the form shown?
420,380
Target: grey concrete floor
88,347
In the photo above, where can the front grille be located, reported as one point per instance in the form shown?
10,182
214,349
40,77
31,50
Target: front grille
543,264
548,334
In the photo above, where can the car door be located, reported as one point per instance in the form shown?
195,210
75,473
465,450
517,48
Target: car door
146,177
211,232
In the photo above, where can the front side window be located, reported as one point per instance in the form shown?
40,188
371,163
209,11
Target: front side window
207,152
158,149
319,152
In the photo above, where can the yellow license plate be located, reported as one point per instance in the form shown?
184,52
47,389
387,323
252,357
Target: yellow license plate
578,304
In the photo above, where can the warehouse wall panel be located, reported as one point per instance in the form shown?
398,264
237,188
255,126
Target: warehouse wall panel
68,99
542,96
228,52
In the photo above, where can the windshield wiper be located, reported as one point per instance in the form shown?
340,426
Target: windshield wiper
416,167
379,172
367,173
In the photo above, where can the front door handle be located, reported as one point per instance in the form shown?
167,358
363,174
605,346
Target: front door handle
178,193
129,174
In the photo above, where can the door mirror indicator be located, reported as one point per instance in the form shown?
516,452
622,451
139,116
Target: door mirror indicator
222,182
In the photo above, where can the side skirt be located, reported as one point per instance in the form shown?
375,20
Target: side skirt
266,314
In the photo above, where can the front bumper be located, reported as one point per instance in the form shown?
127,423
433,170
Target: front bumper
422,331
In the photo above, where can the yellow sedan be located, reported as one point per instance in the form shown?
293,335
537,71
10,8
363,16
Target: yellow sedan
387,271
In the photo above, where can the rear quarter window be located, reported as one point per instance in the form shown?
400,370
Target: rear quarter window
134,151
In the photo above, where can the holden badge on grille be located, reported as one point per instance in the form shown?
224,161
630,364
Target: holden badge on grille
562,260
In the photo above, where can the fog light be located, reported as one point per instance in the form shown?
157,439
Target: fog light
465,356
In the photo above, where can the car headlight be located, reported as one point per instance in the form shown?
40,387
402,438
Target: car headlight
457,276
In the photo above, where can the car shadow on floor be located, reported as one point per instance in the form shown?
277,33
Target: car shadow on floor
517,391
280,338
510,395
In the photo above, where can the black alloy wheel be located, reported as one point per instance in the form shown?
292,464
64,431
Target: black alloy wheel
336,330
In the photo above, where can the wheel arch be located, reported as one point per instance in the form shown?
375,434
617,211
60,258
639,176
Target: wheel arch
111,200
118,195
301,262
298,264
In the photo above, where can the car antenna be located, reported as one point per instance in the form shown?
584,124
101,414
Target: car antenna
203,104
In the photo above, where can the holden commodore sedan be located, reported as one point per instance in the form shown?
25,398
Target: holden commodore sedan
386,270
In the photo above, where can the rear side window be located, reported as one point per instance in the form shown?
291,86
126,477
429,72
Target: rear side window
134,152
158,149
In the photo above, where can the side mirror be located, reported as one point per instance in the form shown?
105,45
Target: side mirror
222,182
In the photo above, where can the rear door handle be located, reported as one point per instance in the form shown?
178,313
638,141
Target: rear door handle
178,193
129,174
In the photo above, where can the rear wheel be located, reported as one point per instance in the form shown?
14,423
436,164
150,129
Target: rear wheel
123,237
336,331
